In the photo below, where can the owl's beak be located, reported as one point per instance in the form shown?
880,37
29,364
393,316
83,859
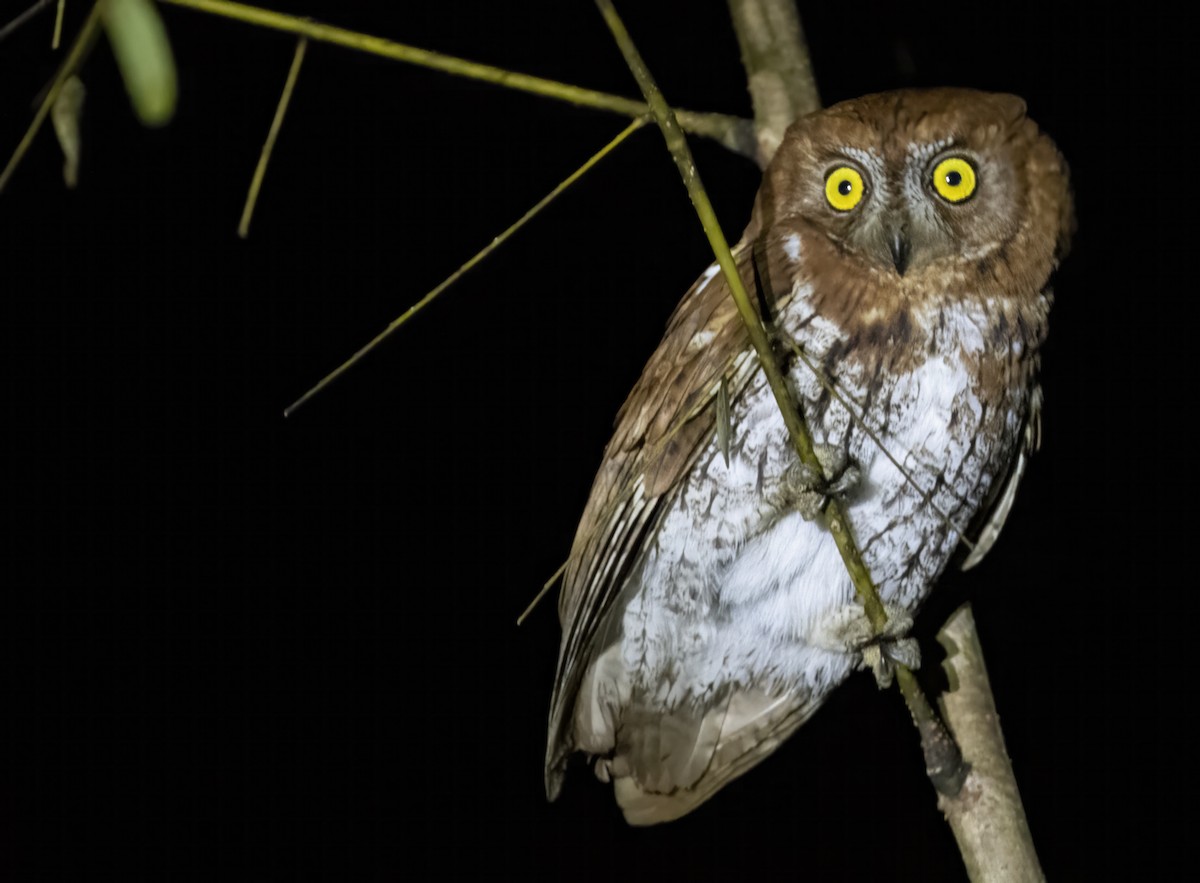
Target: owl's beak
901,250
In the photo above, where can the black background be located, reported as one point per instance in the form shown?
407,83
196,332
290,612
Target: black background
240,646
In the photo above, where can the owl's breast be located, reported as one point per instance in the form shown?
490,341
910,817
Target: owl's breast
736,585
932,428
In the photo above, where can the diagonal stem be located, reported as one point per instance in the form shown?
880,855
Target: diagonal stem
942,759
461,271
732,132
264,158
79,49
797,429
22,17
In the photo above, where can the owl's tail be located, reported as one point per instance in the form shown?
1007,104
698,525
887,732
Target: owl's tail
731,738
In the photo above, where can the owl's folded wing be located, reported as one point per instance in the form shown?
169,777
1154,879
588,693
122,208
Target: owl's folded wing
664,425
1002,498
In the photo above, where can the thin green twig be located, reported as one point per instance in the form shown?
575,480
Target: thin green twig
79,49
734,133
546,586
269,145
856,412
23,17
797,430
58,18
943,761
457,274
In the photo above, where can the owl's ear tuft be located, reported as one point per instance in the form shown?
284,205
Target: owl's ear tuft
1010,107
1005,119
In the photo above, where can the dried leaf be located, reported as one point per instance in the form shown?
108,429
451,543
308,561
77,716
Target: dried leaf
65,115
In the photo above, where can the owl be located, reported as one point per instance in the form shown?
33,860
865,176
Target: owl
899,250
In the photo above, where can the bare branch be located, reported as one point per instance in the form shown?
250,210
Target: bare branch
734,133
797,429
461,271
778,70
79,50
971,771
987,817
23,17
272,134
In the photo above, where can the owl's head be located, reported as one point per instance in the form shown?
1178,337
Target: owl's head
916,181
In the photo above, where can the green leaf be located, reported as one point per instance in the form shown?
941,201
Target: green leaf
139,42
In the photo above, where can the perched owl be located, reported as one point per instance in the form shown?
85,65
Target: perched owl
899,247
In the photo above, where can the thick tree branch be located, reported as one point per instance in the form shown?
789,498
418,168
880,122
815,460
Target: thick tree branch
986,816
778,70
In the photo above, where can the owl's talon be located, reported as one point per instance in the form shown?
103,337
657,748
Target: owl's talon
849,631
903,651
879,665
842,474
846,482
809,491
804,488
883,655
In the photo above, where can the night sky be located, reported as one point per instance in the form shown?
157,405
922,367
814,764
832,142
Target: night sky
242,647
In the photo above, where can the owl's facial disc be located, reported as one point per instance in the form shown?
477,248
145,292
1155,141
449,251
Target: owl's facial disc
909,184
868,210
888,234
920,208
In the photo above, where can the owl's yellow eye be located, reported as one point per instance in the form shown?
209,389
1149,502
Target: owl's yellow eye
844,188
954,179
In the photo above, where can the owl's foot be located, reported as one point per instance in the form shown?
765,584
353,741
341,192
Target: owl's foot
842,475
809,492
848,630
884,654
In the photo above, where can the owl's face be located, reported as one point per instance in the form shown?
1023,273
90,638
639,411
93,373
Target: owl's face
909,182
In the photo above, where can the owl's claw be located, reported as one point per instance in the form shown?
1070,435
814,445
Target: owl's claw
803,487
809,492
883,655
849,630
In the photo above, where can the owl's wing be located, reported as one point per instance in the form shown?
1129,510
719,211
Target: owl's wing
683,761
1002,501
665,423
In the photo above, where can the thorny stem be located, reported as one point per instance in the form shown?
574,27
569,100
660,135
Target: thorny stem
732,132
